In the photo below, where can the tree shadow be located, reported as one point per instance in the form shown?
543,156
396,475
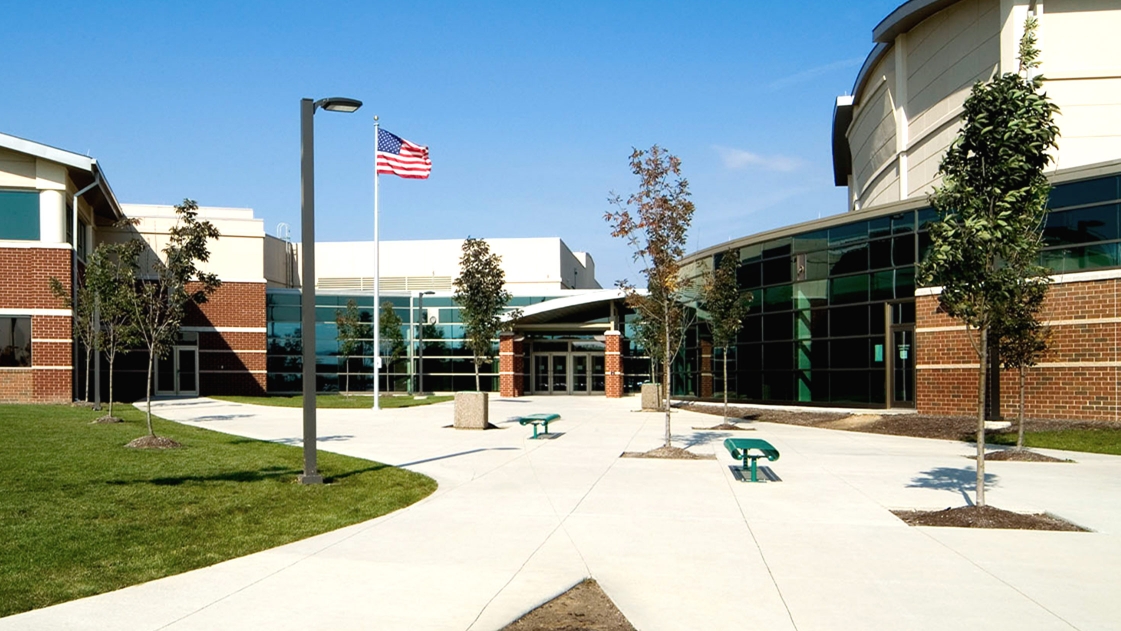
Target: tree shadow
962,481
223,417
298,440
460,453
701,437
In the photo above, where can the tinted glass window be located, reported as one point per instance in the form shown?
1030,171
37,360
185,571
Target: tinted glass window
850,233
20,210
1085,192
1085,225
848,289
15,342
846,260
776,271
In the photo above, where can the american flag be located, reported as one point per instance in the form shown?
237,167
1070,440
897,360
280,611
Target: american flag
398,156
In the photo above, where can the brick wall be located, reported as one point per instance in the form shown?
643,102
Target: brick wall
706,368
1078,377
25,275
511,365
614,364
232,362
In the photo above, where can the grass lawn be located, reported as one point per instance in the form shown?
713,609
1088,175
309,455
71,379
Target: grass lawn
324,401
80,514
1098,441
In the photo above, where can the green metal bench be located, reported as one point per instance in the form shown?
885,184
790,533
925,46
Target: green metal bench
751,449
536,420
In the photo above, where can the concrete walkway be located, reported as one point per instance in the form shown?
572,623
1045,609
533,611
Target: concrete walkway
676,544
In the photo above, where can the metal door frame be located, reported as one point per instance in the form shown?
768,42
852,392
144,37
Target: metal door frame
175,390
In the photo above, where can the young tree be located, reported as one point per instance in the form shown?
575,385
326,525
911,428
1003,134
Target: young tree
158,303
990,204
84,320
352,331
111,275
727,306
390,336
655,220
1021,338
481,297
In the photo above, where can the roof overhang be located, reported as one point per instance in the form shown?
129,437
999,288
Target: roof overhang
904,18
83,171
561,308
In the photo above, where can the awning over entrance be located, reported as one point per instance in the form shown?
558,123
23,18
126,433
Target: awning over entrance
593,309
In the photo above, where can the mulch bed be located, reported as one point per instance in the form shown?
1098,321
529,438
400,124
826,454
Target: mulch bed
917,425
583,608
1021,455
668,453
153,442
986,517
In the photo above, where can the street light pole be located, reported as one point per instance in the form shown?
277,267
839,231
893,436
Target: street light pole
420,344
307,274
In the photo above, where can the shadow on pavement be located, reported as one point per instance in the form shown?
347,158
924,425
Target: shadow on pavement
460,453
962,481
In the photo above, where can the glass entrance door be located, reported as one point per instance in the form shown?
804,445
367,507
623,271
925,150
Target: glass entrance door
177,374
558,383
902,367
568,373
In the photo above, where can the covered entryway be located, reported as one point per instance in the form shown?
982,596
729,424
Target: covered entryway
568,373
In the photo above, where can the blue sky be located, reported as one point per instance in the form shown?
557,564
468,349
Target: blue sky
530,109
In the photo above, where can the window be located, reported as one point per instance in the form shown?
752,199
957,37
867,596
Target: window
15,342
20,212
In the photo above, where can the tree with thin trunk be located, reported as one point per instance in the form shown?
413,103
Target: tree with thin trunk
84,320
989,208
482,298
654,220
351,333
158,301
1021,337
111,275
726,306
391,338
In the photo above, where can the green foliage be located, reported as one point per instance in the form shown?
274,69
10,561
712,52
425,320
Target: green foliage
351,332
991,206
654,221
84,325
111,276
389,332
480,293
82,515
722,299
158,303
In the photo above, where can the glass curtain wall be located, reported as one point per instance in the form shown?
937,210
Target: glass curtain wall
822,300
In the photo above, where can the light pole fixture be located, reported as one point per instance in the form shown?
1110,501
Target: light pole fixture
307,274
420,338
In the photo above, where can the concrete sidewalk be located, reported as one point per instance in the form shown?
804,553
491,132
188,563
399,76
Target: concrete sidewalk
676,544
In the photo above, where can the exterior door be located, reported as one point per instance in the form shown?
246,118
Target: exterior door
558,381
902,369
178,373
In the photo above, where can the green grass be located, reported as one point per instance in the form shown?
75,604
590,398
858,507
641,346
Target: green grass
1098,441
325,401
80,514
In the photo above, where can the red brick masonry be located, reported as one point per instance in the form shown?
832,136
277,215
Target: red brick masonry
1077,379
25,274
614,363
511,365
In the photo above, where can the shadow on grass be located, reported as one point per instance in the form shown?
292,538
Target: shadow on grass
962,481
260,475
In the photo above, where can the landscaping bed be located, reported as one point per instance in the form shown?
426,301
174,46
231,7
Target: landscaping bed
81,514
986,517
583,608
1090,436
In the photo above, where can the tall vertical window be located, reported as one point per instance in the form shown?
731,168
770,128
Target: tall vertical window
15,342
19,215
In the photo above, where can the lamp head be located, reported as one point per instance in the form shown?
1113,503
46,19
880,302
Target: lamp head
339,104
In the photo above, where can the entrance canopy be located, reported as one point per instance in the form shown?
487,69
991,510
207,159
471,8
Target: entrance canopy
600,309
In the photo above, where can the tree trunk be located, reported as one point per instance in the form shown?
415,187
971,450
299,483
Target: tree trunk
89,351
478,387
666,371
151,364
112,356
1020,435
725,384
346,375
983,351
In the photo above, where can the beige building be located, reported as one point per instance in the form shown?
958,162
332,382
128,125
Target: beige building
906,106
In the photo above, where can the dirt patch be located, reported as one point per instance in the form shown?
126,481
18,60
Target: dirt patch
917,425
153,442
986,517
668,453
583,608
107,419
726,427
1021,455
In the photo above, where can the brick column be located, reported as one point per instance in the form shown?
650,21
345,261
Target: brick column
706,369
511,365
614,361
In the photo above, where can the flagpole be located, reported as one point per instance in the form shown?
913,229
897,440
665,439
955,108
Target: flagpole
377,279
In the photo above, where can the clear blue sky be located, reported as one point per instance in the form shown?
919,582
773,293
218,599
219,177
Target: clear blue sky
530,109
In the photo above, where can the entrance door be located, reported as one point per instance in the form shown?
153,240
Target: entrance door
568,373
558,382
178,373
902,366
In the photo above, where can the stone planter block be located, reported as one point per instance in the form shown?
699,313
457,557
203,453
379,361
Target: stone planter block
651,396
471,410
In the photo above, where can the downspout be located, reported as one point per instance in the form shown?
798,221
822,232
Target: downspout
74,278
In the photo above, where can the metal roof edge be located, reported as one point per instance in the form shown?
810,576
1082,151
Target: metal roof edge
46,152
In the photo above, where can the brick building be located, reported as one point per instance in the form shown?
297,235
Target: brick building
837,318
